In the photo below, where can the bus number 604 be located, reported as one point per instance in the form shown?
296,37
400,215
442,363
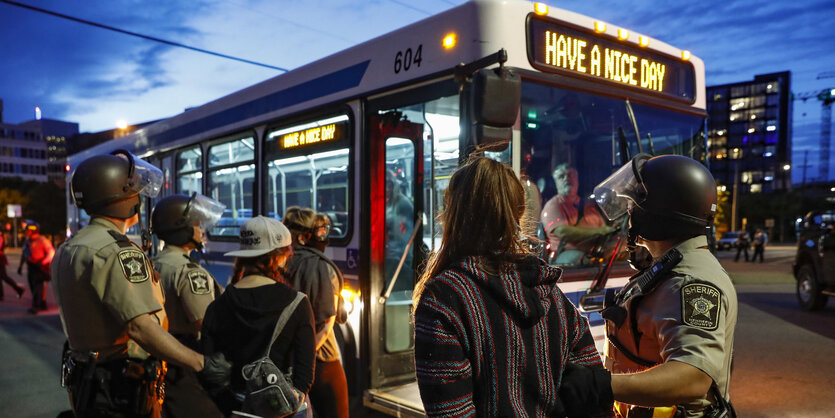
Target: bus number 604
403,60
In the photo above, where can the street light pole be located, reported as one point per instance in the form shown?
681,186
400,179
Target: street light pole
733,200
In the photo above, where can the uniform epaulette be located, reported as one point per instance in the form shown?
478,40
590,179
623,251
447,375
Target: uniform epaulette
121,239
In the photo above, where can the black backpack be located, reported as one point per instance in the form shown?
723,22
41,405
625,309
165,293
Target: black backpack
269,391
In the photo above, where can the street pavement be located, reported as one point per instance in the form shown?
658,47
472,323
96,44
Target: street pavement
30,352
784,358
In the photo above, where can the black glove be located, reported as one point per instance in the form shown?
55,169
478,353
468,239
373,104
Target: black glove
216,375
586,391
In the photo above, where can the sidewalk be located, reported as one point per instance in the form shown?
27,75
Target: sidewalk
775,269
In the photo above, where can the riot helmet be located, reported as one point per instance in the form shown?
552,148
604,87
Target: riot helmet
110,184
668,196
174,217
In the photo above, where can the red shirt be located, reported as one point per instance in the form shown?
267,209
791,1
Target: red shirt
40,250
562,210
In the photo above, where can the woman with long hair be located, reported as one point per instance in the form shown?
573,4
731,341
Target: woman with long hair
240,322
493,332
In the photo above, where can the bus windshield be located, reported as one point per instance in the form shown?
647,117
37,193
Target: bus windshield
571,141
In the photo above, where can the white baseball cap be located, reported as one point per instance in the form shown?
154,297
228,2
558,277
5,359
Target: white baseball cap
261,235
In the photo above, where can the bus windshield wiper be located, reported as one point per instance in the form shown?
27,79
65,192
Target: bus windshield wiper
637,133
624,146
634,126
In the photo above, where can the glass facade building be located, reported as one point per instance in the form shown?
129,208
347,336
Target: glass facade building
35,150
749,133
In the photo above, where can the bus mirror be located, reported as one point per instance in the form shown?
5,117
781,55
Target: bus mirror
495,99
592,302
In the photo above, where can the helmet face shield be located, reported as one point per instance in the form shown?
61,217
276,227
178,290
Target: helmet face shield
143,177
623,190
147,177
205,210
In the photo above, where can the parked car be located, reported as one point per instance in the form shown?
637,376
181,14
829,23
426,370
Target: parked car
814,262
727,241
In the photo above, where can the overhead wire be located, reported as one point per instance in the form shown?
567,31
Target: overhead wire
261,12
139,35
409,6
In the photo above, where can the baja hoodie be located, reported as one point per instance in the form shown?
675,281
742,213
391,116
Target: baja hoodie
497,345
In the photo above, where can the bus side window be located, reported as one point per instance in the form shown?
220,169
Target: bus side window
231,181
308,165
189,170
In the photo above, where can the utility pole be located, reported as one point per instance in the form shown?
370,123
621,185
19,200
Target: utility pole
733,199
805,166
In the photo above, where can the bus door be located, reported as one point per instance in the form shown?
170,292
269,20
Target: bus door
396,249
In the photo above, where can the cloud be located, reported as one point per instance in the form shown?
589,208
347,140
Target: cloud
61,59
83,73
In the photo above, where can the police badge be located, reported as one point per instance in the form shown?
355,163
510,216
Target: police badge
133,265
199,281
700,305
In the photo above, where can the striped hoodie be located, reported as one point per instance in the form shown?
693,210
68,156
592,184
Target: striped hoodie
496,345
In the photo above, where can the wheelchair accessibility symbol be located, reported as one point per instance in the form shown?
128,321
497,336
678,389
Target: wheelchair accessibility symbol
352,258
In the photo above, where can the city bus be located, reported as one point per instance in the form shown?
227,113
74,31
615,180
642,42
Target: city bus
370,136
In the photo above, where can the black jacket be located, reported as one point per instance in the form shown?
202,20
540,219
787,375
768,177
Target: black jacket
240,322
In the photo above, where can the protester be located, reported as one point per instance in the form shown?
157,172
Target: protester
37,255
742,244
4,276
493,332
240,322
313,273
760,240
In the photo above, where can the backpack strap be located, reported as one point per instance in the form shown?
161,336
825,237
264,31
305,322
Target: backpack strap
282,320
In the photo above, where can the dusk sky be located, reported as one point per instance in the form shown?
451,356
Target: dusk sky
95,77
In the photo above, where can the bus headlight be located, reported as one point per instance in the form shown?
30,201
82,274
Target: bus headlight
351,298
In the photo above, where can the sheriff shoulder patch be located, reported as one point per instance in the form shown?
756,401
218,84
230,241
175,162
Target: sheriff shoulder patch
199,281
700,305
133,265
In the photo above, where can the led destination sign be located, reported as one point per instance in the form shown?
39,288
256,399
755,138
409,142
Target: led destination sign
308,137
554,47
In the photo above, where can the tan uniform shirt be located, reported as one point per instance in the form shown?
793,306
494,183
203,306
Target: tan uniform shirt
188,288
689,317
102,280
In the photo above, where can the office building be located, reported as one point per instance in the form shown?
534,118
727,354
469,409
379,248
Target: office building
749,133
35,150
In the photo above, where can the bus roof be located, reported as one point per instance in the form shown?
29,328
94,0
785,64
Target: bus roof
406,55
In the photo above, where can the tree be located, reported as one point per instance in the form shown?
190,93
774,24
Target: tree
783,207
47,205
43,203
722,220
